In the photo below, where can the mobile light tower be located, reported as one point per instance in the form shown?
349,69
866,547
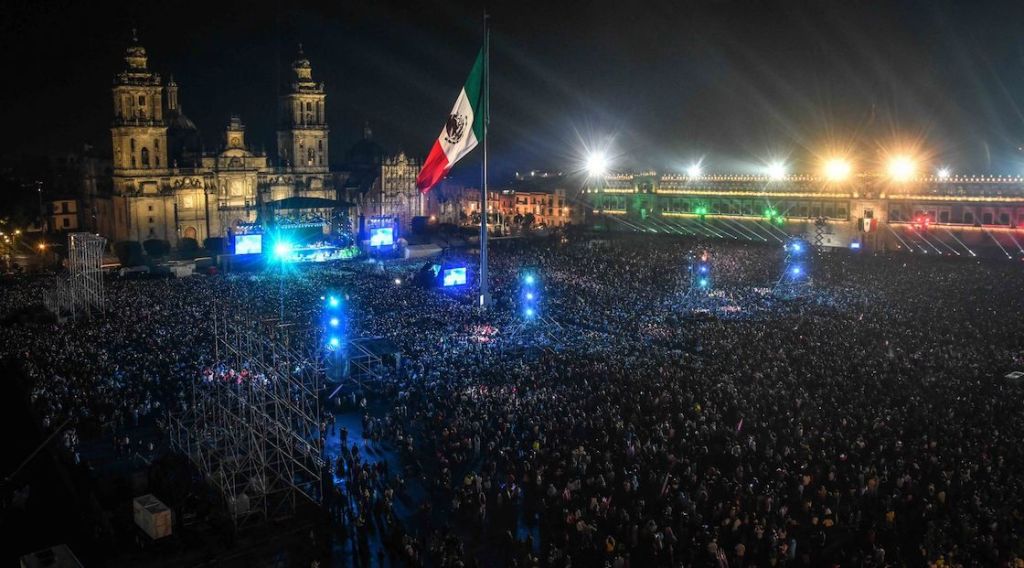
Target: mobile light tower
701,275
282,253
795,278
335,326
530,313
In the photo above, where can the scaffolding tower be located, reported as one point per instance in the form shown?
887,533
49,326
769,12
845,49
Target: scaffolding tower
81,294
253,426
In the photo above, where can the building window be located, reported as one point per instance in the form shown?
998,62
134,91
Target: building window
1004,218
142,100
150,220
968,217
986,219
132,144
67,222
150,207
145,157
944,216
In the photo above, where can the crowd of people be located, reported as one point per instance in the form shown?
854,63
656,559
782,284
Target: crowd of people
866,423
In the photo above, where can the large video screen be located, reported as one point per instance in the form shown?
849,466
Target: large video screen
382,237
454,276
248,244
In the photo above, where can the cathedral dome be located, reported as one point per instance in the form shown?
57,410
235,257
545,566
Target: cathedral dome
181,122
183,141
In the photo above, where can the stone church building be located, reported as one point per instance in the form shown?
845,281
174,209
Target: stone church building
166,187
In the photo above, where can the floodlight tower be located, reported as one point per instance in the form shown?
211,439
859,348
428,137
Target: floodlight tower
596,167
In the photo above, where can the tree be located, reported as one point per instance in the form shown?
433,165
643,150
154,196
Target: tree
129,253
156,248
188,247
214,245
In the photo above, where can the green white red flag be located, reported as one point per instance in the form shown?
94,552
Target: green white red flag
463,130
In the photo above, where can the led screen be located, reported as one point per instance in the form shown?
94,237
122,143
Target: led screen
454,276
382,237
248,244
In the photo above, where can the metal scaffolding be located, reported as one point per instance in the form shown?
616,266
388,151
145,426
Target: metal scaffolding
253,426
81,294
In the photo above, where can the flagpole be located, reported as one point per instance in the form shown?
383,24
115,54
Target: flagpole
485,295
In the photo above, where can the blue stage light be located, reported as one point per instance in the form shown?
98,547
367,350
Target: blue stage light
528,279
855,245
334,342
703,283
529,312
704,269
529,295
335,322
333,301
795,271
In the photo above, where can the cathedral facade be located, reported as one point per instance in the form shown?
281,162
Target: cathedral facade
166,187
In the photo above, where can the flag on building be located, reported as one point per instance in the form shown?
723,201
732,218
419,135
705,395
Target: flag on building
462,131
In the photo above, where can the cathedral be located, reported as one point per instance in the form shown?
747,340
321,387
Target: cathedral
166,187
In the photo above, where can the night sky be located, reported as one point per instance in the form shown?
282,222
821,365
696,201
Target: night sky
660,84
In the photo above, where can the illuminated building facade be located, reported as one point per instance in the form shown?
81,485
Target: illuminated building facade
940,214
166,187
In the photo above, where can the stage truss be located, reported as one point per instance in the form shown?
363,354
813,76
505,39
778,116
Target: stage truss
82,293
253,427
540,328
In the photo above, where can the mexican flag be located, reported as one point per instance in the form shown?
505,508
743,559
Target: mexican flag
461,133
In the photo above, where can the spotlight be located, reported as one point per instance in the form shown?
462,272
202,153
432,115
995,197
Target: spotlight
529,279
335,322
398,281
796,271
529,312
776,170
334,342
529,295
282,249
333,301
944,173
902,168
597,164
704,269
694,171
837,169
703,283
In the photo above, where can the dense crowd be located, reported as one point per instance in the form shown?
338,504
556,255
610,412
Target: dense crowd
866,423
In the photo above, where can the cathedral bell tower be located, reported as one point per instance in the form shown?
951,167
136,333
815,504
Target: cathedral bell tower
302,130
139,132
